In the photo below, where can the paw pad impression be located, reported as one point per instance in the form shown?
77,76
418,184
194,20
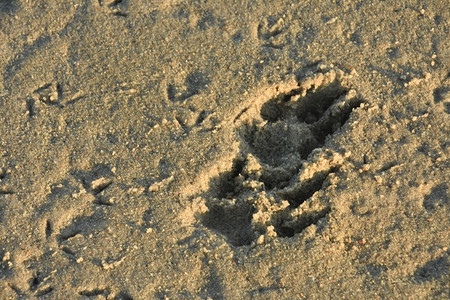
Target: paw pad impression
275,182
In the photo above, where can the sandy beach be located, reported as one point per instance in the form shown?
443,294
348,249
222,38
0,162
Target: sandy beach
224,149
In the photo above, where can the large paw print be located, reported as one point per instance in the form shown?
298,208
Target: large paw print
273,187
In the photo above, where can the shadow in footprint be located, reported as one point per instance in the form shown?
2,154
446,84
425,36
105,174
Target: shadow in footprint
433,269
213,288
227,216
82,225
194,83
8,6
438,197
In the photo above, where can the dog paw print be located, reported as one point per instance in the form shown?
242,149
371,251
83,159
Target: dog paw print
277,180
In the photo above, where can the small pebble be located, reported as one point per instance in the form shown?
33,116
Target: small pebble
7,256
260,240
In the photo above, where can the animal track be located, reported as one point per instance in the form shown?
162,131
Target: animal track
270,32
94,293
49,93
115,7
4,189
97,182
277,180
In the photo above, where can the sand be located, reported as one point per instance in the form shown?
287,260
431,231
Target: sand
224,149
